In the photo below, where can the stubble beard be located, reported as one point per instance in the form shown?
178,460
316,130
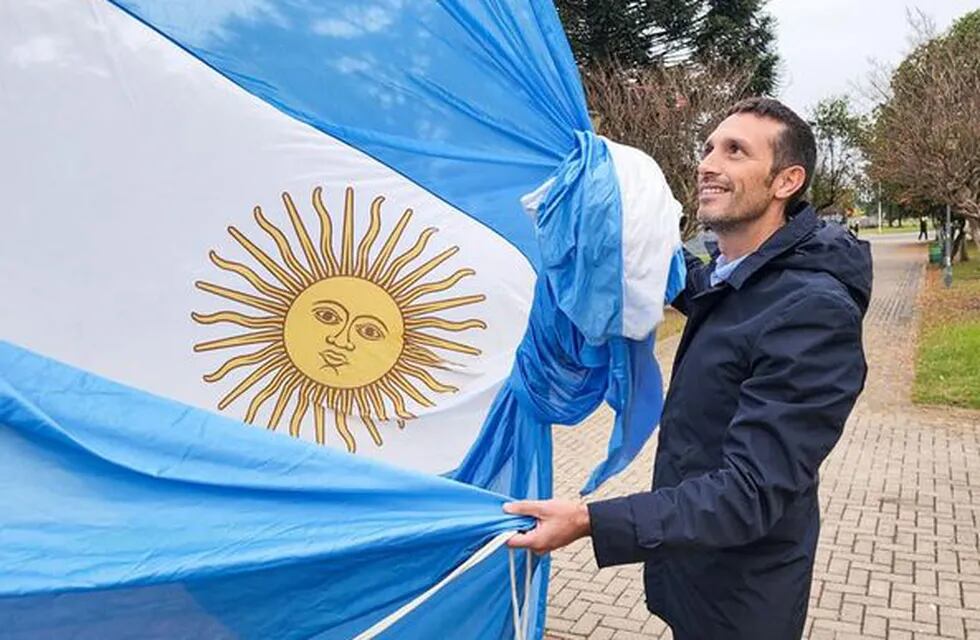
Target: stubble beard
729,222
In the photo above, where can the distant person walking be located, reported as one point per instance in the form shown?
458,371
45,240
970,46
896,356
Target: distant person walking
923,229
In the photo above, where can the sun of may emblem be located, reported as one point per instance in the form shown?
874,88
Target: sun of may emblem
348,331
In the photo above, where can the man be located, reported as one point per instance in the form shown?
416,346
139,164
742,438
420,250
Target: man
767,371
923,229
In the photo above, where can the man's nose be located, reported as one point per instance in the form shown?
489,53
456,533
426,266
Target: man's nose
707,165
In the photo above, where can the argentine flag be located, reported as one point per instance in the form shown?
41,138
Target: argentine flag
293,292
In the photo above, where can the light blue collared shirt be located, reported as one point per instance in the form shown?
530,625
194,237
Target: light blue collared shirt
724,269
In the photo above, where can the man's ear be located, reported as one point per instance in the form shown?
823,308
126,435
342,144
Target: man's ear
789,181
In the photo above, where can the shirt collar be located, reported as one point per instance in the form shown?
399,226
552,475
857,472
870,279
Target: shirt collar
724,268
800,225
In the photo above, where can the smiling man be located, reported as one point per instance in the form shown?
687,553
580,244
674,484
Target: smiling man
767,371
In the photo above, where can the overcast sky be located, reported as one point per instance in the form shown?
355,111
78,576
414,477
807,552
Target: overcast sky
827,46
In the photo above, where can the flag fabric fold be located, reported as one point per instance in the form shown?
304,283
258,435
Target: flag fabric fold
205,529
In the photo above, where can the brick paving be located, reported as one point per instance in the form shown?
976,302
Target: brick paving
899,552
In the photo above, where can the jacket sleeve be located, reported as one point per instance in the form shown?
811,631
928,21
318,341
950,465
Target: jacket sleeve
807,372
697,281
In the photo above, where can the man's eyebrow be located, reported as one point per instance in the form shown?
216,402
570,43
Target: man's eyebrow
741,143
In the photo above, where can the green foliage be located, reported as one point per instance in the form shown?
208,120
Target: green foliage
742,34
967,27
602,31
833,118
645,33
839,133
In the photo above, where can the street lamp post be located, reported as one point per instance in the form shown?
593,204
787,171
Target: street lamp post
948,259
879,206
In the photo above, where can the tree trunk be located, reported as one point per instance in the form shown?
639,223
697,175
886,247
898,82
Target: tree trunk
975,231
959,243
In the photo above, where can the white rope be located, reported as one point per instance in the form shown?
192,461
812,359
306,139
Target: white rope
518,627
483,553
521,615
527,591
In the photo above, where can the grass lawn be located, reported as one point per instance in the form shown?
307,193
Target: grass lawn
672,324
905,228
948,362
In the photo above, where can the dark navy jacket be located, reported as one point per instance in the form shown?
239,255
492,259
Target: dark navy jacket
767,371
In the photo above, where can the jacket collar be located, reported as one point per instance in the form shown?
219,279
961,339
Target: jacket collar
800,225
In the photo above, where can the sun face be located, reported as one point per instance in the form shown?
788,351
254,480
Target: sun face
344,332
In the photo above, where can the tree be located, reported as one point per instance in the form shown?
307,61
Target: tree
927,130
667,112
838,132
742,34
603,31
662,33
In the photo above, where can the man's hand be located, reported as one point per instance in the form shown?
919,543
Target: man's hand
560,522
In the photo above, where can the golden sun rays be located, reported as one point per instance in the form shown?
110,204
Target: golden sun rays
349,332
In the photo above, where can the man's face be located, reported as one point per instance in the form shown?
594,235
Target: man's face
735,183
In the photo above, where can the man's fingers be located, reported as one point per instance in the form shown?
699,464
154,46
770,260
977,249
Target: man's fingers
524,508
532,541
521,540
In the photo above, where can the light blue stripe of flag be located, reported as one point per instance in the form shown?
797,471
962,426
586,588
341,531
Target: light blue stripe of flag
128,515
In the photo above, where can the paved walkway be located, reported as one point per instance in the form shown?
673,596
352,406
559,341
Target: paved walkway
899,553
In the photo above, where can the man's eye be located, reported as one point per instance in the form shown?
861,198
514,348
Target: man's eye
370,331
734,149
327,316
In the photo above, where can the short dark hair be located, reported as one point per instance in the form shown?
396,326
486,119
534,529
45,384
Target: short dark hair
795,145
